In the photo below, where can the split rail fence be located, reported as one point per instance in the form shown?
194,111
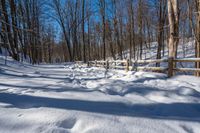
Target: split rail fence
135,65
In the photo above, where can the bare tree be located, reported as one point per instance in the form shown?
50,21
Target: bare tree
102,6
62,20
173,15
162,14
131,30
197,43
140,26
83,30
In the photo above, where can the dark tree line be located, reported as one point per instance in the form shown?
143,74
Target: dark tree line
20,28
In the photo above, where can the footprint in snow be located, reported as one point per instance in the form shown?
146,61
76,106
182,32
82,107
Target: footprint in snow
37,72
67,123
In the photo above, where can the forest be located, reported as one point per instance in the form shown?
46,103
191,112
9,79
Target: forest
84,30
99,66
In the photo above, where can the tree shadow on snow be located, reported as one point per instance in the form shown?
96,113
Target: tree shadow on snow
49,88
172,111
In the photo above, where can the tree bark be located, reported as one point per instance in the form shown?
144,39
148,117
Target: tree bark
197,42
162,15
83,30
173,15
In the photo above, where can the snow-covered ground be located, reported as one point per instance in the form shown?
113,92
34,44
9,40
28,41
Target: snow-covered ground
76,99
186,49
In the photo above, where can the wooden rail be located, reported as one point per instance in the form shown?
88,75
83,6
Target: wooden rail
134,65
171,70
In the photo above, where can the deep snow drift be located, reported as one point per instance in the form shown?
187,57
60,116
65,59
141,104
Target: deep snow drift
74,99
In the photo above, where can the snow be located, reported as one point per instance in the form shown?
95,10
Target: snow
76,99
186,49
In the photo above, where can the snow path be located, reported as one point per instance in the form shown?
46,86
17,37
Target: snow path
62,99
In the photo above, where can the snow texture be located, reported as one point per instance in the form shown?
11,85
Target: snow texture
76,99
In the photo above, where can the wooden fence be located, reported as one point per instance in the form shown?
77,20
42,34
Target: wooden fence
134,65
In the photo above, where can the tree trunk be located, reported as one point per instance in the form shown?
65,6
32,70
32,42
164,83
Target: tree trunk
174,30
197,43
83,30
162,7
140,26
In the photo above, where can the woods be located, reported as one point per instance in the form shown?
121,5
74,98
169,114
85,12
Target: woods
74,30
99,66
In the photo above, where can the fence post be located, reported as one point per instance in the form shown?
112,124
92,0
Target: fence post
88,63
135,65
170,66
107,65
127,65
197,64
130,64
95,63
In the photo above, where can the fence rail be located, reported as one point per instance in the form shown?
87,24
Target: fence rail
134,65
